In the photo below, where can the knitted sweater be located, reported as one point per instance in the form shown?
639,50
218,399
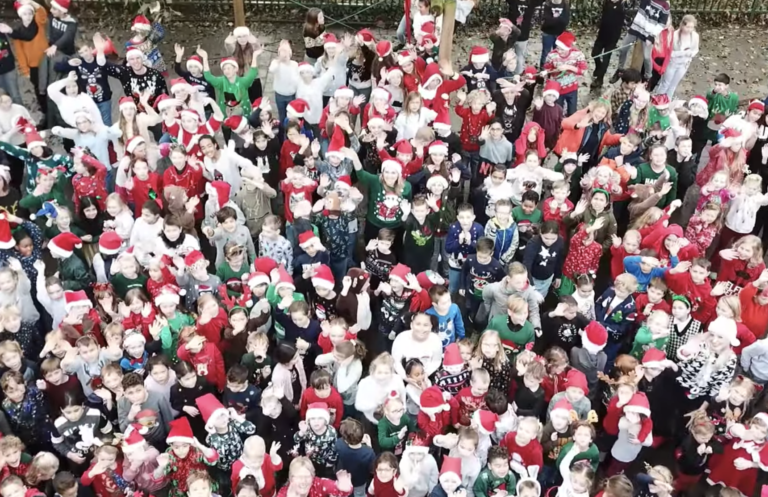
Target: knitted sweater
569,81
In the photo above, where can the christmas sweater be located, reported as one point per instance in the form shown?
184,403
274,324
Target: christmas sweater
82,436
644,341
487,484
450,326
680,333
321,487
475,276
452,383
527,456
514,338
179,469
698,377
472,126
617,320
229,445
91,186
388,433
432,428
265,475
641,303
29,418
191,180
293,195
110,483
32,164
582,259
738,274
463,406
569,81
144,190
208,363
320,448
702,302
334,232
459,251
149,47
383,204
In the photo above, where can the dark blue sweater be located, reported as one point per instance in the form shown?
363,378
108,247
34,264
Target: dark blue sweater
476,276
542,261
357,462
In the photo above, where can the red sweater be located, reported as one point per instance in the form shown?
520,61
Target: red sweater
91,186
381,489
208,363
641,300
617,260
531,454
745,337
325,341
702,303
191,180
471,126
739,273
213,329
104,484
556,216
142,188
137,321
464,405
153,287
239,470
582,259
553,384
433,428
334,402
753,315
287,152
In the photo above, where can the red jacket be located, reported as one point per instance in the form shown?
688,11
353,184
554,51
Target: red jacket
208,363
333,401
553,384
571,137
662,50
433,428
143,188
617,260
753,315
191,180
268,470
137,321
702,302
556,216
213,329
471,126
641,300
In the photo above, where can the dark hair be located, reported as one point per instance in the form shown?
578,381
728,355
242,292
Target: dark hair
386,234
237,374
723,78
320,379
86,202
285,352
497,452
496,401
152,206
386,458
172,220
63,481
584,279
647,252
21,235
549,227
73,398
313,29
132,380
292,125
412,363
530,195
485,245
225,213
351,431
183,368
500,168
208,137
631,76
465,208
496,120
248,481
436,292
157,360
568,300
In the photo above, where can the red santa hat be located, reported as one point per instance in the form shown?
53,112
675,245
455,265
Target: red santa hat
381,93
180,431
238,124
193,257
336,146
284,280
562,406
180,84
404,57
756,105
660,101
392,72
366,36
479,55
264,265
323,277
566,40
75,299
485,421
141,23
638,404
318,410
133,439
432,71
126,103
506,23
383,48
344,182
400,272
452,356
191,113
195,62
404,147
576,379
62,5
21,7
261,104
432,401
699,100
426,29
168,295
437,179
427,279
164,102
221,189
306,67
330,40
654,358
438,147
133,143
442,120
6,237
392,165
344,92
229,61
241,31
297,108
308,239
451,465
133,337
110,243
64,244
258,278
210,407
133,51
551,87
32,137
428,38
376,121
596,335
530,73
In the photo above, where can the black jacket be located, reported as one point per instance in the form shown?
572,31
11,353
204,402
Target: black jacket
556,18
611,22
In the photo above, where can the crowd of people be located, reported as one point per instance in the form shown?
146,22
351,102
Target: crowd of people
332,290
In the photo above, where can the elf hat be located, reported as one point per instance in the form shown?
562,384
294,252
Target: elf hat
64,244
256,279
180,84
393,165
563,406
6,238
32,137
451,465
195,61
660,101
551,87
756,105
366,36
486,421
62,5
110,243
595,334
141,23
308,239
432,401
438,147
133,143
442,120
654,358
241,31
337,143
566,40
638,404
400,273
284,280
125,103
452,356
20,7
297,108
318,410
238,124
193,257
479,55
404,147
168,295
180,431
427,279
76,298
437,179
210,407
229,61
383,48
330,40
221,189
344,92
323,277
577,379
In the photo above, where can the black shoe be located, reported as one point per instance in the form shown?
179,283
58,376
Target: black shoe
597,84
615,77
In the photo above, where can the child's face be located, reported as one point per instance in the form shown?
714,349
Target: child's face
90,212
499,467
167,309
680,311
559,194
503,213
702,438
12,457
63,220
135,350
574,394
382,374
484,257
269,231
385,473
323,392
172,232
417,374
300,319
759,431
337,334
497,178
159,373
723,310
25,247
189,380
479,387
528,207
466,219
518,282
394,411
720,88
114,207
655,295
745,251
89,353
229,225
420,212
626,147
658,325
195,344
685,148
73,413
549,239
489,347
112,381
737,395
560,420
550,99
55,376
466,353
532,161
585,290
603,176
180,450
14,490
15,391
719,181
525,433
443,304
135,394
518,317
201,487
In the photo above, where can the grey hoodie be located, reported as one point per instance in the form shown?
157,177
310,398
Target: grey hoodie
754,360
495,297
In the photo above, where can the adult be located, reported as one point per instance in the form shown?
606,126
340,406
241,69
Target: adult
240,45
222,165
651,18
599,206
231,89
685,46
285,72
10,132
418,343
587,133
302,482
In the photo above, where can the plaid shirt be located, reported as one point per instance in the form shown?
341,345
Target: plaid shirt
618,96
678,337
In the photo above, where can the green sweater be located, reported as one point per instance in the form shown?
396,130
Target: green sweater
513,341
121,284
644,341
487,484
74,274
592,455
32,163
273,298
169,335
388,433
34,203
239,89
647,176
383,206
227,275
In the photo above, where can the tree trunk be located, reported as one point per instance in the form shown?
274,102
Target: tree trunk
239,8
446,38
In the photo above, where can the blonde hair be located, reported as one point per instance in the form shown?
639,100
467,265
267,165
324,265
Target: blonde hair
255,339
516,303
688,19
533,423
117,198
627,282
649,217
734,304
757,247
633,234
10,442
660,473
601,104
10,311
7,346
204,299
301,463
114,330
408,99
476,95
42,462
517,268
501,358
753,180
659,315
383,359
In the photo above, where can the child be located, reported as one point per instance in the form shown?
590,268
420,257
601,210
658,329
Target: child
492,357
693,455
255,195
583,257
205,356
185,455
229,229
557,433
274,245
419,241
616,311
556,207
450,479
568,64
256,461
196,280
129,276
503,231
308,263
741,264
355,454
496,295
317,439
652,300
525,452
741,216
722,103
25,333
453,375
623,248
321,391
461,242
394,426
576,393
516,333
561,327
380,260
450,323
470,399
590,358
478,271
578,477
135,401
14,486
654,335
529,396
376,388
494,188
496,476
16,460
530,176
634,433
73,272
476,115
495,149
544,257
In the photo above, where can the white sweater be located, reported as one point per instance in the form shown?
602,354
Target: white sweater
337,70
429,352
56,308
408,124
420,479
122,224
742,212
163,390
345,376
312,92
286,75
228,165
144,235
372,394
68,106
9,133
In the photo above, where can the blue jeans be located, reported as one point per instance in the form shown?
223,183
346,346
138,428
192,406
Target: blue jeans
281,102
401,30
547,45
339,270
542,286
10,83
568,102
454,280
105,108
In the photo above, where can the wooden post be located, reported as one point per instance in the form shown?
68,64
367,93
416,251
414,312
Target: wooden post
239,7
446,38
637,57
